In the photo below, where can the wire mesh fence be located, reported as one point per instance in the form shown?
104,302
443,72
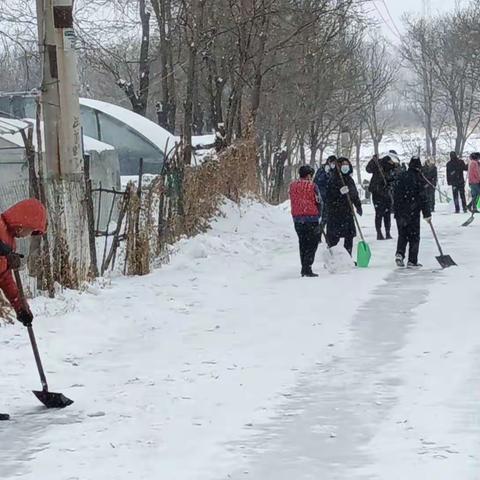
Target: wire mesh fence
93,230
62,255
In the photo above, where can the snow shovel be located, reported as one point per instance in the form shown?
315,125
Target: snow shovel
364,254
49,399
472,216
445,261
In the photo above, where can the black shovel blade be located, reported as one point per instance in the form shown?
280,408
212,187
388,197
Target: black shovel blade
53,400
468,222
446,261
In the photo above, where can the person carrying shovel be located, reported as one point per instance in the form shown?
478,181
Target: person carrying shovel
410,199
342,197
26,218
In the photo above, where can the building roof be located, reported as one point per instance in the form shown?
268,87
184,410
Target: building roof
10,131
152,132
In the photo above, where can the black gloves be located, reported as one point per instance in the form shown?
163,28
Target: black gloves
360,210
25,317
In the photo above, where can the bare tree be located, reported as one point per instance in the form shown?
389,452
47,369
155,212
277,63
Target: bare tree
453,54
378,76
424,91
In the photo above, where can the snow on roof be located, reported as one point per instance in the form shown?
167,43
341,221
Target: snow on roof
10,130
154,133
94,145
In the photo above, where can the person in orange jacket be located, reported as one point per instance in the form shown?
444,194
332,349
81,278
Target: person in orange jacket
26,218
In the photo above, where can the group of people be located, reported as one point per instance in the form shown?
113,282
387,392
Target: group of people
324,203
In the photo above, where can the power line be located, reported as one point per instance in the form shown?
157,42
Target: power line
391,19
396,33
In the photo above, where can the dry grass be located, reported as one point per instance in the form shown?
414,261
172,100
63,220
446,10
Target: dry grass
182,202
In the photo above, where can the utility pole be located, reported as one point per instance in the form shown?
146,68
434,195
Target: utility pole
60,87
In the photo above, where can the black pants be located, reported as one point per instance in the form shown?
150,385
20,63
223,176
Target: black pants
431,198
347,243
383,213
409,234
308,238
459,191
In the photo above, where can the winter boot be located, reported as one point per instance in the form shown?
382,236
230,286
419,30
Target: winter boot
399,260
308,273
414,265
4,416
389,237
380,236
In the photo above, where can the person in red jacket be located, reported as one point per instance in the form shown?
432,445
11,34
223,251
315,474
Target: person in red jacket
28,217
306,210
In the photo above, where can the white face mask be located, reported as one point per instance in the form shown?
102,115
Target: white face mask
345,169
327,168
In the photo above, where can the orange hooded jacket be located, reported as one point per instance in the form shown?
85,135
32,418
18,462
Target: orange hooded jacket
27,214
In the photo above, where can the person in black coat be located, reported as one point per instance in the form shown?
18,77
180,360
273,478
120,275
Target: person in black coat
430,173
321,180
380,187
340,221
455,178
410,199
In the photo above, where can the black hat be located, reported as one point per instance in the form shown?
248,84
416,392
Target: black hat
415,163
306,170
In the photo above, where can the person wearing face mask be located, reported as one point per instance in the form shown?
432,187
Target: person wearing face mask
340,221
410,199
321,181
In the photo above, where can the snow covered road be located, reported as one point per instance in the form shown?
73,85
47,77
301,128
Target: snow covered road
226,365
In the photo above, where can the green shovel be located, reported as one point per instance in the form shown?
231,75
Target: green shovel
364,254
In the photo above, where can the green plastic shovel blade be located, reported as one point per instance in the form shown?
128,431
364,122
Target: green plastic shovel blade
478,203
364,254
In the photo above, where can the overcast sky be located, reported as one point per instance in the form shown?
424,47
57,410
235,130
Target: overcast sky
398,7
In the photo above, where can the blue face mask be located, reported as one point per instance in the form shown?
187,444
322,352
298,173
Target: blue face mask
345,169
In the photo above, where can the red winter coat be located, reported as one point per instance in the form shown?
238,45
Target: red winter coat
27,214
304,199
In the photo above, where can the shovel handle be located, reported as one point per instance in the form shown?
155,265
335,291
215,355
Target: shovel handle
352,208
31,335
436,238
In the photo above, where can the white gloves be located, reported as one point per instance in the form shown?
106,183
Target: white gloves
344,190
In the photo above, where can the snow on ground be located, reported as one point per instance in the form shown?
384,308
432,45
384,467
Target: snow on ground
226,364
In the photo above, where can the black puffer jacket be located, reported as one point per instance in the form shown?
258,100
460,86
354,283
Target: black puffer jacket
455,169
340,220
382,176
410,195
